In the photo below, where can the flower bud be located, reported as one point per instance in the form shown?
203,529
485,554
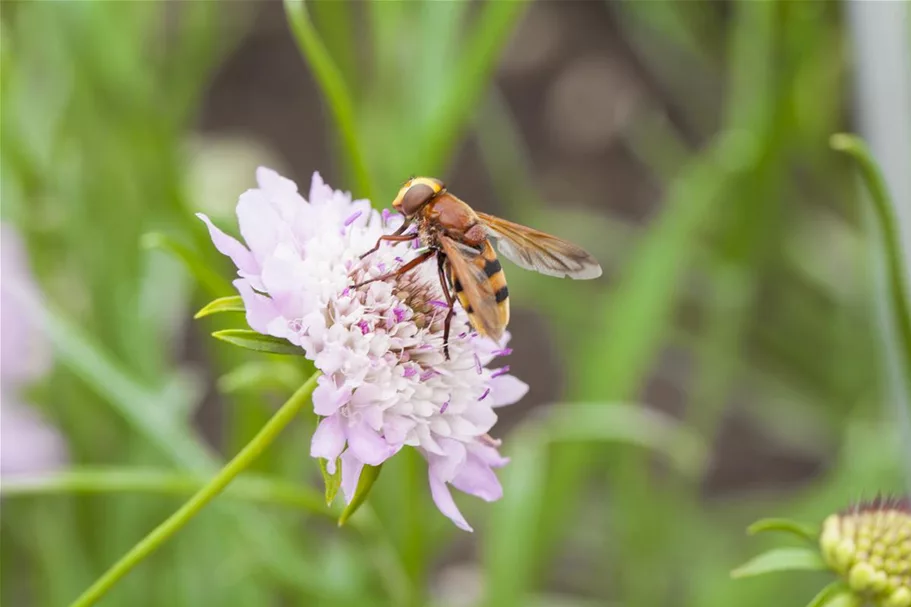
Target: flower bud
870,546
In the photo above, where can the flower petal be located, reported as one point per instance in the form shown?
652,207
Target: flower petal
260,309
351,474
506,390
328,441
368,446
228,245
327,398
443,500
477,478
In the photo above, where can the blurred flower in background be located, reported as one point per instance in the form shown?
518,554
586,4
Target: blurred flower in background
386,383
27,443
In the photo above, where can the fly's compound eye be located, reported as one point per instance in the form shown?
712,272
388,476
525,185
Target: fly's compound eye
415,197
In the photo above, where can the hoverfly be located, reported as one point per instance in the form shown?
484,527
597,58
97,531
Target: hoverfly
460,238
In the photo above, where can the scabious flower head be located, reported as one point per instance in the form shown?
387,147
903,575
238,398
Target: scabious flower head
870,546
385,382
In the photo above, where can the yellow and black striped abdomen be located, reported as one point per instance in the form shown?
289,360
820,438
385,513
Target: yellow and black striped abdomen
493,289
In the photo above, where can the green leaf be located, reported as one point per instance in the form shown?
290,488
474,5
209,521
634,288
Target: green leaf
258,342
631,424
781,559
262,375
332,481
801,530
232,303
835,594
211,281
368,476
332,82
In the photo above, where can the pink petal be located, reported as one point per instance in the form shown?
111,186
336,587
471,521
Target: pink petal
229,246
260,309
507,389
351,474
328,441
320,193
488,455
260,224
445,467
327,398
476,477
443,500
368,446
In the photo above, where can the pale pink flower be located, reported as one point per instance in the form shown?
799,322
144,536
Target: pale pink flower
27,443
386,384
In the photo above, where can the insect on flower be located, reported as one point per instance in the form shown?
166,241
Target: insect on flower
459,237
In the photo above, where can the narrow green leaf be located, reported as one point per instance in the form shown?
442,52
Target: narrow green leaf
258,342
368,476
832,596
214,284
332,480
781,559
262,375
624,423
897,286
232,303
801,530
336,93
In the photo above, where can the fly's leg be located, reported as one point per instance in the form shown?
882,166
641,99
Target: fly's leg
441,261
394,237
408,266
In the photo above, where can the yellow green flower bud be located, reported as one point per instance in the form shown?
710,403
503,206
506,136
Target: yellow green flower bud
870,547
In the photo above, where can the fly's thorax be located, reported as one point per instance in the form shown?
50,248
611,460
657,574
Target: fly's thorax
450,215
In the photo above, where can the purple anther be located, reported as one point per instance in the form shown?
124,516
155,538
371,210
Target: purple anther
500,371
346,291
353,216
445,406
399,259
386,215
428,374
410,371
365,328
503,352
399,314
438,303
483,396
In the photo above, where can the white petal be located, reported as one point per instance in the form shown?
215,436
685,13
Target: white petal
351,474
228,245
506,390
328,440
327,398
368,446
260,309
476,477
443,500
260,224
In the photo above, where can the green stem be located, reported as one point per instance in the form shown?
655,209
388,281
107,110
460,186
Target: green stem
898,288
252,488
333,85
191,508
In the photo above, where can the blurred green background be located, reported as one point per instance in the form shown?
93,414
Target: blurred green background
731,352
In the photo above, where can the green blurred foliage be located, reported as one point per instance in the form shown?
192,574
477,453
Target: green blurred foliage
98,105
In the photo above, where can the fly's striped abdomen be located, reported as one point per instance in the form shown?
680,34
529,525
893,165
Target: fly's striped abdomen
495,286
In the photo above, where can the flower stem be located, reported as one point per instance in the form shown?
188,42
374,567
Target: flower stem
195,504
897,286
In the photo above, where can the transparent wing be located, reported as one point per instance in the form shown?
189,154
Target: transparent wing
535,250
485,314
